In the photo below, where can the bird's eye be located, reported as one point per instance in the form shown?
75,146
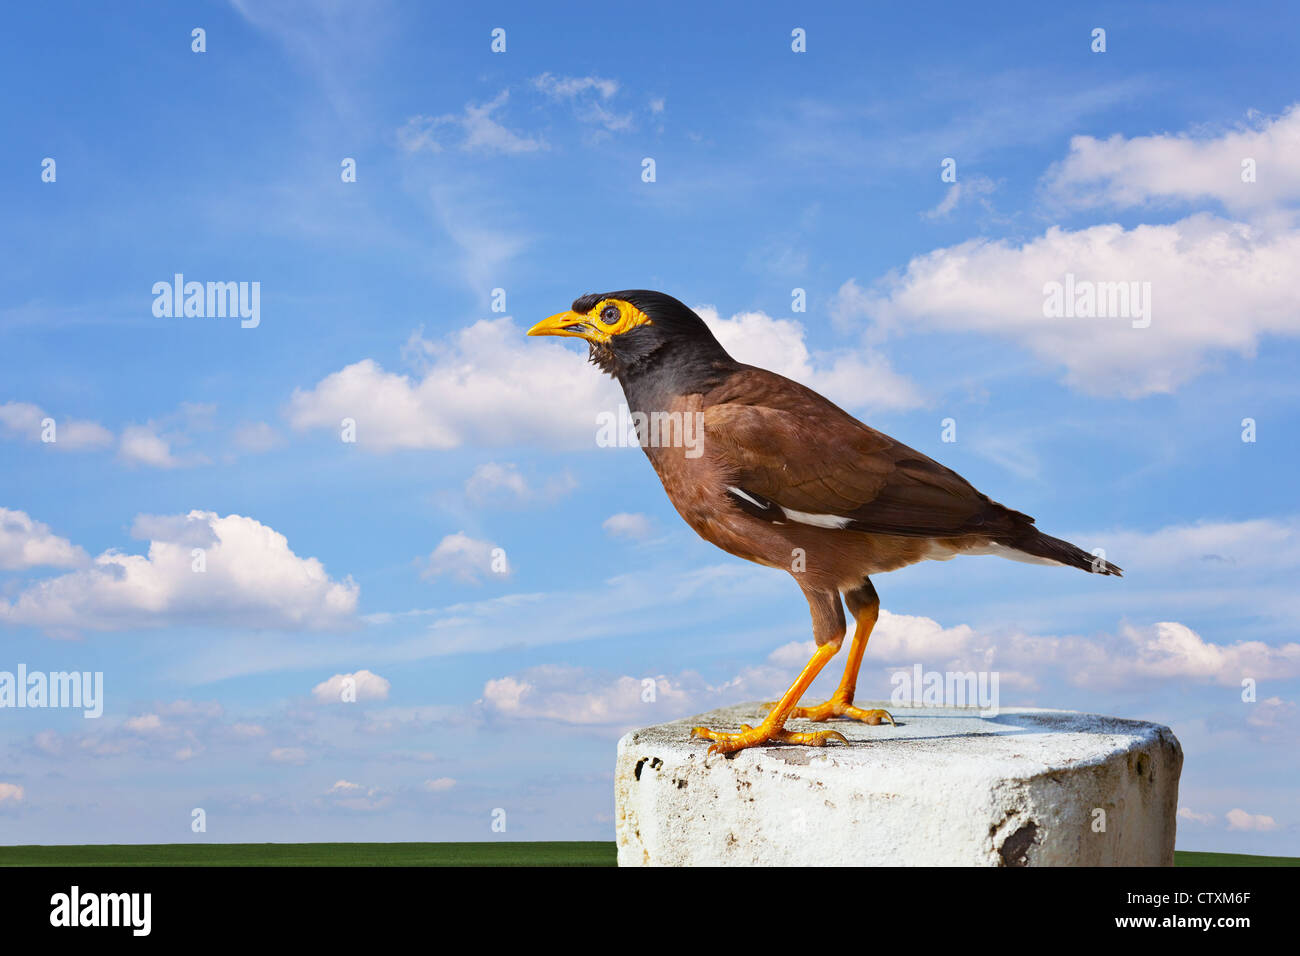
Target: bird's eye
610,315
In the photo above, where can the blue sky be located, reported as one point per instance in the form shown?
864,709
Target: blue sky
522,171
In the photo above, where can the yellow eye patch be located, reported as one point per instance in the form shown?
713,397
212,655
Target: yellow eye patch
613,317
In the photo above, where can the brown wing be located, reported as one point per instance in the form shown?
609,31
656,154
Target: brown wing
788,445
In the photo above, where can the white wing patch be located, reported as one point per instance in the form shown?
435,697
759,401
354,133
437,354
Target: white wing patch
803,517
741,493
817,521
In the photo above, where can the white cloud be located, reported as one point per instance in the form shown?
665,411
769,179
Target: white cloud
252,579
566,87
490,478
637,526
794,654
589,94
1163,651
577,696
1272,543
859,379
904,637
142,445
506,694
363,684
25,543
23,420
504,484
1191,816
476,130
439,785
951,196
1239,819
464,558
1174,651
573,695
11,793
1202,270
1131,658
488,384
968,189
355,796
1185,167
1166,650
1274,713
152,443
145,723
295,756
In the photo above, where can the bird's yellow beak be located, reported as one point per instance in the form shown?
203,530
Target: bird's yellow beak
565,323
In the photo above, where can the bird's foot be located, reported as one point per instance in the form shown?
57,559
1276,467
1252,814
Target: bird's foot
764,734
840,707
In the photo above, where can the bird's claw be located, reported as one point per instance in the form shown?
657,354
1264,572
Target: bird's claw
812,738
757,736
872,717
838,707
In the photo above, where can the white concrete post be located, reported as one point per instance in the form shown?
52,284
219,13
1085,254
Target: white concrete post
943,788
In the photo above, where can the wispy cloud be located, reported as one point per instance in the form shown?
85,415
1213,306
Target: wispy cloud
504,485
590,97
971,189
475,130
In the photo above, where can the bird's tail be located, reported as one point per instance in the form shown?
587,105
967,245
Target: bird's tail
1054,549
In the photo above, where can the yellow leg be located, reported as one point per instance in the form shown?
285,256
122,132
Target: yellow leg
772,728
841,702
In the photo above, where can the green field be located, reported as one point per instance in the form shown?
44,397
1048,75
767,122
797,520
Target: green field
402,854
313,854
1195,858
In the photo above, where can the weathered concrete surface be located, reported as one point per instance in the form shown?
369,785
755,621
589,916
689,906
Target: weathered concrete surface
945,787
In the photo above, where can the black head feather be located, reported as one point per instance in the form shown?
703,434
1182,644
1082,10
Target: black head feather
675,352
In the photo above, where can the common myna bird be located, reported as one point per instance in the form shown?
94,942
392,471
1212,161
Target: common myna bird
785,478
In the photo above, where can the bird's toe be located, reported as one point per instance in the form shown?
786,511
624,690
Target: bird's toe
873,717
